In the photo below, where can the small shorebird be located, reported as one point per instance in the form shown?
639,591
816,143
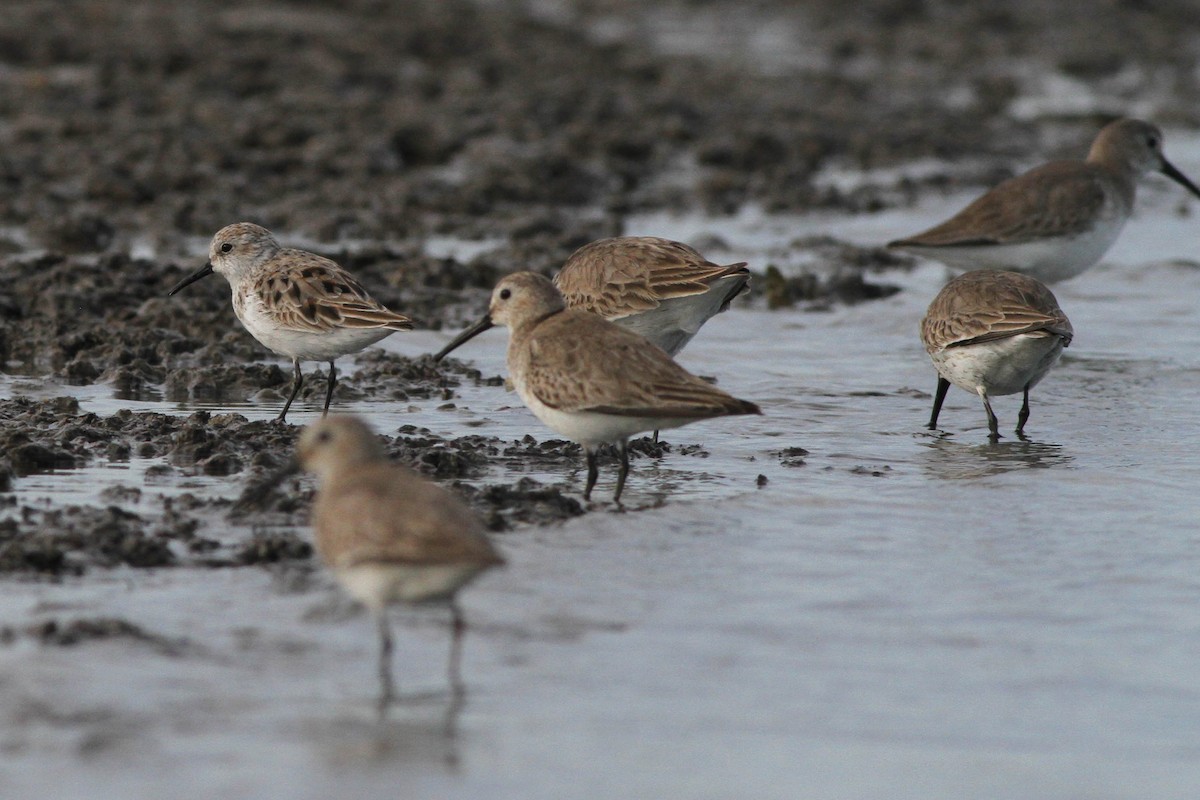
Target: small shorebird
1058,219
993,333
388,534
589,379
661,289
299,304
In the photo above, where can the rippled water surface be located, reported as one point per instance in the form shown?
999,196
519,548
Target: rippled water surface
899,613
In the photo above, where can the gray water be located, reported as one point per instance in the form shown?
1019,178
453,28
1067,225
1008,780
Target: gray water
907,614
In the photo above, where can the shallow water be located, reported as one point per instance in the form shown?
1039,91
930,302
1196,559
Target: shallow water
905,614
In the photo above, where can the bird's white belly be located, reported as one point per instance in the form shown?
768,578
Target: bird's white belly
1049,260
674,322
590,428
376,585
1004,366
304,345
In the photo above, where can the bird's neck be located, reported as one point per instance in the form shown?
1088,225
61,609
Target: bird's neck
1118,173
519,334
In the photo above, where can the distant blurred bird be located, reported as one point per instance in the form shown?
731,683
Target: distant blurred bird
1058,219
388,534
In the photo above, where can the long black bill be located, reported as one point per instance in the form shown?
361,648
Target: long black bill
1169,170
469,333
204,272
254,494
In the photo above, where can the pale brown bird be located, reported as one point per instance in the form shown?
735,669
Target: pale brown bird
387,534
589,379
1058,219
993,333
659,288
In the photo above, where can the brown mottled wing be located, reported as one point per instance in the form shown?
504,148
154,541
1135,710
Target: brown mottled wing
630,274
1051,200
986,305
387,513
577,361
314,294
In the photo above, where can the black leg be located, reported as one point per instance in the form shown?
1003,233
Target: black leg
938,399
458,627
329,391
656,437
297,382
458,690
1023,417
623,452
593,472
387,689
993,425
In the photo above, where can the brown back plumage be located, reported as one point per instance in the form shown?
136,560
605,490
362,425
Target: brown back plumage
627,275
628,376
369,510
1055,199
985,305
312,293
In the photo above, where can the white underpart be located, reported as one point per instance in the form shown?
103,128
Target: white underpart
1003,366
1049,260
376,585
302,345
674,322
590,428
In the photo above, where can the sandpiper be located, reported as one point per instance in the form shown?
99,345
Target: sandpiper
589,379
661,289
1058,219
993,333
388,534
299,304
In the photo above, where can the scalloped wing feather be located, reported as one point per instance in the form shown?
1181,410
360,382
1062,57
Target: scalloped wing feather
984,306
313,294
576,361
628,275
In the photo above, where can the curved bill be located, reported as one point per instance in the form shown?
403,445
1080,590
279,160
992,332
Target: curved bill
469,333
1169,170
204,271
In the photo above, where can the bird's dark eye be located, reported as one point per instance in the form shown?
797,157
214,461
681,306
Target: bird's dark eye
323,437
226,247
1152,141
505,294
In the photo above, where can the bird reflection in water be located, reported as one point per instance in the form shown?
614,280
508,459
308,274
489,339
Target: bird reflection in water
386,744
951,459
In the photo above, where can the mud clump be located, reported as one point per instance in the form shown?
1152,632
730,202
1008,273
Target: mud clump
790,457
818,292
841,277
54,633
526,502
65,540
272,549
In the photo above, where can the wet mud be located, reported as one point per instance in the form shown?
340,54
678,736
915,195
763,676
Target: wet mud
395,124
125,136
190,144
